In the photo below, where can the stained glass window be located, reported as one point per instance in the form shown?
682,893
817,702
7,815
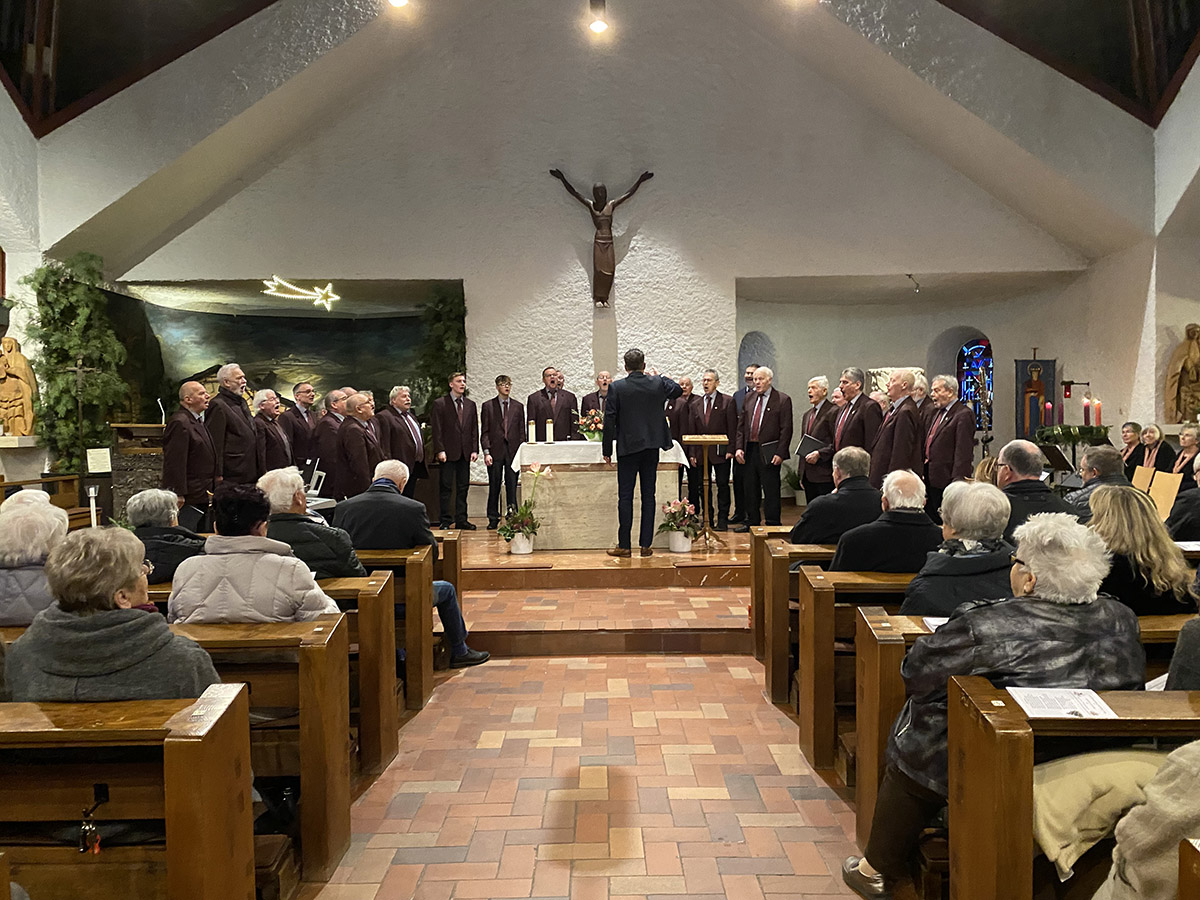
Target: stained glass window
975,377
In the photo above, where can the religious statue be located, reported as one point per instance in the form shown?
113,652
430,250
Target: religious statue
604,258
1181,399
18,387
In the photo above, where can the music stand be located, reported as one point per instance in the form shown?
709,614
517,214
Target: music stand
1055,458
706,441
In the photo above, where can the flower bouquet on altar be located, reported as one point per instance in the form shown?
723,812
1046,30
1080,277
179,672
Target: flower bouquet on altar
682,525
520,524
591,424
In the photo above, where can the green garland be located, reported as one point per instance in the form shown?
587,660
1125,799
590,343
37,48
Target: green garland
1072,435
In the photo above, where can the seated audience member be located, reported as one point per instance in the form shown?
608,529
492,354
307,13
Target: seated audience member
154,515
985,470
854,502
1099,466
326,551
1185,462
22,497
973,561
1184,522
382,518
1159,455
27,535
1145,861
1184,674
244,576
92,644
1132,450
1019,474
1054,632
1149,573
899,540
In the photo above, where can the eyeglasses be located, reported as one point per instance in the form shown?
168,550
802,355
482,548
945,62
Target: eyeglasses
1013,560
147,568
1003,466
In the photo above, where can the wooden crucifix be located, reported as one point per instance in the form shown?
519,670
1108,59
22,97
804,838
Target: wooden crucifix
80,371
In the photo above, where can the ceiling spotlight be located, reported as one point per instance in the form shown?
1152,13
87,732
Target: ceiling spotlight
398,3
916,284
599,25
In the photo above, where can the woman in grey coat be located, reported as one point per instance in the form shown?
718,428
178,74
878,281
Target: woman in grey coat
92,644
1054,632
28,532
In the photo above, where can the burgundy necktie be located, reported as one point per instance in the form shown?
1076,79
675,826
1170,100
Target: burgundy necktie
934,430
708,405
837,438
459,403
416,433
756,422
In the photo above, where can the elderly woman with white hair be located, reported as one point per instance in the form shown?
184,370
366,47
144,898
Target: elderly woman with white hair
899,540
973,560
1055,631
154,515
327,551
28,533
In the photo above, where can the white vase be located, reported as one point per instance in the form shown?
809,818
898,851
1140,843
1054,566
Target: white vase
678,542
521,544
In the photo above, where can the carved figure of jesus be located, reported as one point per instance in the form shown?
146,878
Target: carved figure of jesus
604,258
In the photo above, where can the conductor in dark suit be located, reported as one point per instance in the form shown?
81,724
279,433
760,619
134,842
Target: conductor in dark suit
739,469
949,441
298,423
325,439
502,431
597,398
763,441
634,418
816,467
855,502
899,540
274,448
382,518
898,440
189,457
553,402
716,413
400,435
358,448
860,418
228,421
456,443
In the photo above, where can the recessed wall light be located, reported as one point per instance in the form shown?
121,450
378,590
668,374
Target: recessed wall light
599,22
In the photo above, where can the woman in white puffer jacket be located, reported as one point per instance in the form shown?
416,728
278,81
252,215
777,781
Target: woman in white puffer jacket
243,575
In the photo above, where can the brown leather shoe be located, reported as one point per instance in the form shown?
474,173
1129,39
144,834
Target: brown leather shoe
646,551
619,551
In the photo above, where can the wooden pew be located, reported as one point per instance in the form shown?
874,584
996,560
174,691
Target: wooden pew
827,614
1189,870
880,645
447,566
302,665
759,560
780,587
991,818
372,631
185,762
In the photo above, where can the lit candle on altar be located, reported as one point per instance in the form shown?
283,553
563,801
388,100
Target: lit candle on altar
549,431
1087,411
1098,412
532,432
1049,413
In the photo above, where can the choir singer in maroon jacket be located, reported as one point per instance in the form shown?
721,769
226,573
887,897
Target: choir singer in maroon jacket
949,442
502,431
764,430
898,440
359,448
715,413
400,434
456,443
189,458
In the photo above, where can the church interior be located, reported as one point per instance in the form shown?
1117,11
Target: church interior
880,186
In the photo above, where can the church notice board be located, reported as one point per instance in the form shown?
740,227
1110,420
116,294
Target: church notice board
577,504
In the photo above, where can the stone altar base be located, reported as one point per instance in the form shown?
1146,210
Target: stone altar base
577,506
21,458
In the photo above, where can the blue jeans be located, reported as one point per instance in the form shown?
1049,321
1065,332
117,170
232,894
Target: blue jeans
644,465
455,629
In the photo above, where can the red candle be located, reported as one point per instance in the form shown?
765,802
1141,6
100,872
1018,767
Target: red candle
1048,417
1098,422
1087,411
1061,407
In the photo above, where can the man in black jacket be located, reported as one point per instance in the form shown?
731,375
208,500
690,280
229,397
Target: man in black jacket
382,518
634,417
899,540
229,422
1019,474
854,503
327,551
1098,466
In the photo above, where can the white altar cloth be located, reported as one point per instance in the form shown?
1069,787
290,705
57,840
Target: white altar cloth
577,504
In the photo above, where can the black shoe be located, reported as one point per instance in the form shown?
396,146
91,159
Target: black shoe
742,529
873,887
466,526
736,519
492,526
470,658
721,526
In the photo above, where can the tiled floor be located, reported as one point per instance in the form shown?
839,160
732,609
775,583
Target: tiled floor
590,610
595,779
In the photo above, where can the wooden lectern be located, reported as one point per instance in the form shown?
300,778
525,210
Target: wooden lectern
705,441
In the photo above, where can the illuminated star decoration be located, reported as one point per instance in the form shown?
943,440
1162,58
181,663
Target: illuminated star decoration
325,296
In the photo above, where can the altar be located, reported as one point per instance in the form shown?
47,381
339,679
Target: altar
577,504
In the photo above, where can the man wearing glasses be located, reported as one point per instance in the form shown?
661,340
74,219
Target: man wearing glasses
1019,474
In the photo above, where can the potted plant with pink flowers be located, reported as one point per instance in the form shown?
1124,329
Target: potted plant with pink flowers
520,524
682,525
